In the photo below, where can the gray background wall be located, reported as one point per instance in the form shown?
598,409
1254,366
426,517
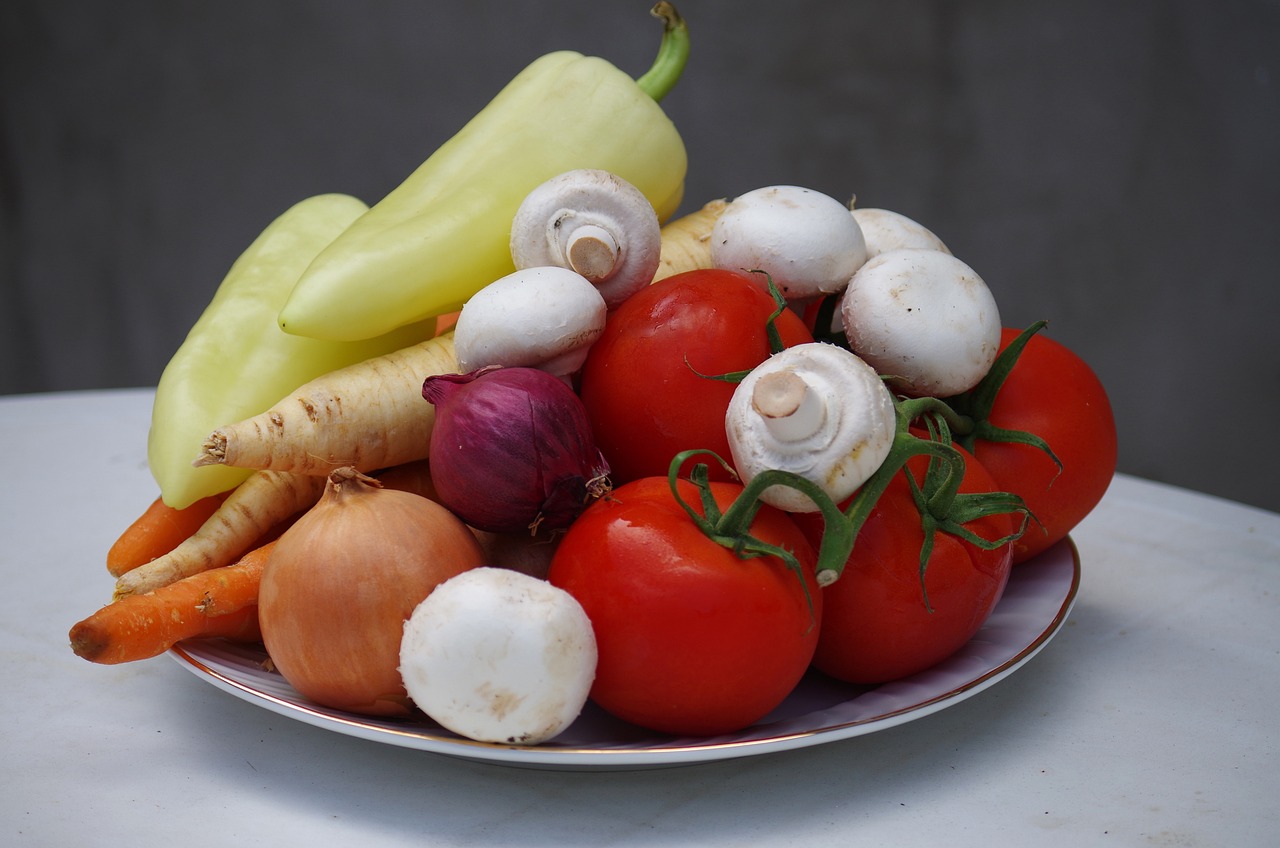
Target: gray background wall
1111,166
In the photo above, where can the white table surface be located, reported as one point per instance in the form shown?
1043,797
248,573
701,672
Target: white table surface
1149,720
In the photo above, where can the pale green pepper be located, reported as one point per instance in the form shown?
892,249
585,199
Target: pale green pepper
236,361
444,233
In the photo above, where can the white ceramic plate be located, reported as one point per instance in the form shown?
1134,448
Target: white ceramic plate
1034,607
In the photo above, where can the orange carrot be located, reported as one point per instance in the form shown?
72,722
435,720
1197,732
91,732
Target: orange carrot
252,510
219,602
156,532
239,626
446,322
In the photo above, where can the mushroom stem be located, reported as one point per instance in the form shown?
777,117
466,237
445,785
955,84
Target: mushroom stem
594,223
592,251
823,414
789,408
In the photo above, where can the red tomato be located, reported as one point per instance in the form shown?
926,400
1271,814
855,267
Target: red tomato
692,639
1054,394
876,626
641,384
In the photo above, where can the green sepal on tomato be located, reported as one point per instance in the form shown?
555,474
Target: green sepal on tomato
646,381
693,636
907,599
1038,386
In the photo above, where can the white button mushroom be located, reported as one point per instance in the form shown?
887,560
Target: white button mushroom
544,317
815,410
886,230
806,241
593,222
924,319
498,656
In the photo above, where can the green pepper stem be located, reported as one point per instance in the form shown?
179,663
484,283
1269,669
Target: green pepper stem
673,53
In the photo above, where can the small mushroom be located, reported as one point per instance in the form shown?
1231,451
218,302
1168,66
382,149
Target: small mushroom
886,230
923,319
498,656
807,241
543,317
815,410
595,223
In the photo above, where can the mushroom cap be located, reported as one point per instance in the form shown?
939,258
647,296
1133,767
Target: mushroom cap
924,319
498,656
544,317
886,230
807,241
616,218
849,432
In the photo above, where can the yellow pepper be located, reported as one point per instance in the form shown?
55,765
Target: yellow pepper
444,233
236,361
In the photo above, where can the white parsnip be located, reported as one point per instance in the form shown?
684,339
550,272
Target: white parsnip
686,241
369,415
254,508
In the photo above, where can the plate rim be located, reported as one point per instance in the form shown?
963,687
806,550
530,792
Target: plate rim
678,751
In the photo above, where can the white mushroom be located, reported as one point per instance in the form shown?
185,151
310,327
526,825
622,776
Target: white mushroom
543,317
806,241
885,230
924,319
498,656
815,410
595,223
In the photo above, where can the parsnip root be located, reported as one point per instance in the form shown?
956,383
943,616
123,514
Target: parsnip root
369,415
686,241
252,510
159,529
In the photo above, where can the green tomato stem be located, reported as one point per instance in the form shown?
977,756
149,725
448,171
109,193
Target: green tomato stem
776,344
838,533
982,397
938,499
974,406
937,411
732,528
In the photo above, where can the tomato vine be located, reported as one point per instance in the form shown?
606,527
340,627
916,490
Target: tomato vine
941,505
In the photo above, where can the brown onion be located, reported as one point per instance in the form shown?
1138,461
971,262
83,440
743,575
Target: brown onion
342,581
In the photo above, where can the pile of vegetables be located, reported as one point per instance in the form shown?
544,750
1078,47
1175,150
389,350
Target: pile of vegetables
668,466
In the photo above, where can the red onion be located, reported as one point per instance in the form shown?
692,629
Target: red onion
511,449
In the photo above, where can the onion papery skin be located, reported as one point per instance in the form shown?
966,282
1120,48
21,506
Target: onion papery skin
512,449
341,582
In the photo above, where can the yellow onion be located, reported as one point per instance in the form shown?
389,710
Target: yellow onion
343,579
